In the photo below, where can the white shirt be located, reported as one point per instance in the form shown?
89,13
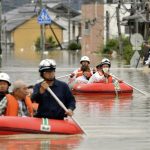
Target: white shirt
81,79
96,77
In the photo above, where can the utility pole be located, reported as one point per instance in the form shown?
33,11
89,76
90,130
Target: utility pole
42,28
0,27
136,20
107,25
119,29
68,22
146,30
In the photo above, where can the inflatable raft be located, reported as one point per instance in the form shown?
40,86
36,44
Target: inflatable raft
103,88
30,125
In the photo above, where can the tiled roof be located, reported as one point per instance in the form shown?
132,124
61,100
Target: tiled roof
16,17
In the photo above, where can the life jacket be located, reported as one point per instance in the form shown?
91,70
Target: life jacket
108,79
79,73
13,106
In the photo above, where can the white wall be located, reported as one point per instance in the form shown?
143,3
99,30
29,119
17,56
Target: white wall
64,23
113,29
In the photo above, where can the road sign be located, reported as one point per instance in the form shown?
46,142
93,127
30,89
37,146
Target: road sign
136,39
135,59
44,18
136,48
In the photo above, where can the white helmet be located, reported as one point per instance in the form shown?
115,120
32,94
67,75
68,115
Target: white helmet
105,61
5,77
47,64
84,58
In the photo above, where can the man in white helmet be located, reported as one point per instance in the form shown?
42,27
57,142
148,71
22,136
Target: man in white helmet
102,73
48,106
4,85
84,61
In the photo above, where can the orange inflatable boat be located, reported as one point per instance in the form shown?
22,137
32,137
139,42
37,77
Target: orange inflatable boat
103,88
30,125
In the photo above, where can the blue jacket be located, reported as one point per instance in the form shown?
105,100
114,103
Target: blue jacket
48,106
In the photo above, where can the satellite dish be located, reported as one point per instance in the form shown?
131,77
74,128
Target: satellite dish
136,39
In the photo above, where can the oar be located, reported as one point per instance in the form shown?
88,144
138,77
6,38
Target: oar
116,87
64,107
144,93
63,76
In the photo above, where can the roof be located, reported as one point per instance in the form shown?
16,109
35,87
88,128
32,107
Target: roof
139,17
20,15
62,9
77,18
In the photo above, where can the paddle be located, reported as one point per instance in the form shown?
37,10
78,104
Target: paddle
117,87
63,106
63,76
144,93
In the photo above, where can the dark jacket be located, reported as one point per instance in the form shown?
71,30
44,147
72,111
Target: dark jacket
48,106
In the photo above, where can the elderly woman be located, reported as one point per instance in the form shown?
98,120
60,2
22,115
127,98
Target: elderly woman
17,103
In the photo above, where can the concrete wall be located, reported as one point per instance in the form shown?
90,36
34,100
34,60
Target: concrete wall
113,32
92,37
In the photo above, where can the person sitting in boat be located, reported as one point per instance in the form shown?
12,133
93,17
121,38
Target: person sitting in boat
48,106
102,73
17,103
4,84
85,61
86,75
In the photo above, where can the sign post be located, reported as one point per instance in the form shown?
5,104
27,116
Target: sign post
136,41
43,19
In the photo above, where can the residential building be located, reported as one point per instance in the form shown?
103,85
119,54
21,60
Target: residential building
21,29
96,27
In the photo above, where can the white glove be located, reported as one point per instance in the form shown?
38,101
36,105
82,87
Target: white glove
147,62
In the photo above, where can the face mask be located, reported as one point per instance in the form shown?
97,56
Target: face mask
106,70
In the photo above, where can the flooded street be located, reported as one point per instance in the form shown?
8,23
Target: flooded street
111,123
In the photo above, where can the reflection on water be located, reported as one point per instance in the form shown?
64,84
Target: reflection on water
104,103
116,123
25,142
32,59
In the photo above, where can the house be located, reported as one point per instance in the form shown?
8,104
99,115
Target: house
66,16
21,29
96,27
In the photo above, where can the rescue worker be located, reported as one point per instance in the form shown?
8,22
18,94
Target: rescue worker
102,73
17,103
4,85
84,61
48,106
85,77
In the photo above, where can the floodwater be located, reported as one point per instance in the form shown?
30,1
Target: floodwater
110,123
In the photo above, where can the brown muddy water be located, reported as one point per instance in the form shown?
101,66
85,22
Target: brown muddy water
111,123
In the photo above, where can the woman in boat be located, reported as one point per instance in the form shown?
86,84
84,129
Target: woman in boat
85,61
4,85
17,103
102,73
48,107
86,75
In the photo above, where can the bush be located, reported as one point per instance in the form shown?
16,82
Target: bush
74,46
49,44
127,53
113,44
